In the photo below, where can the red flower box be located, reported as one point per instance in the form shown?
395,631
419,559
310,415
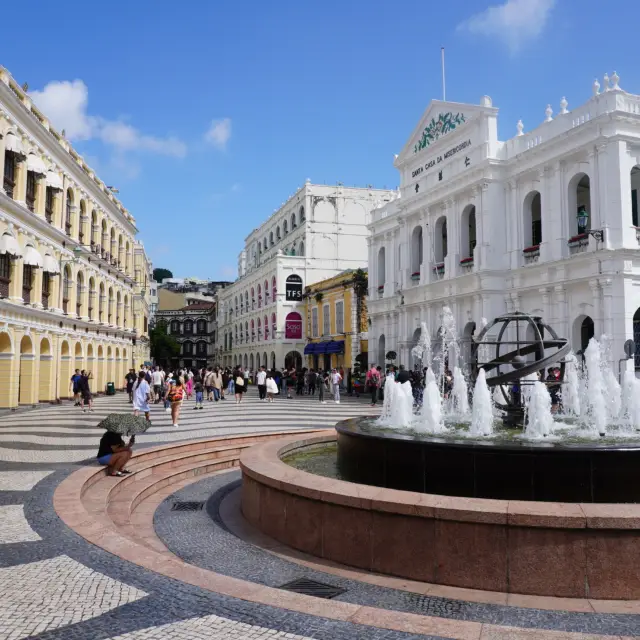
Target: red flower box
580,236
532,249
466,260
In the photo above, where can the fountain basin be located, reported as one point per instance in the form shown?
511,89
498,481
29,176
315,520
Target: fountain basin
552,549
605,472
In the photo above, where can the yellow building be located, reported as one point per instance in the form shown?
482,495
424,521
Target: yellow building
69,296
336,311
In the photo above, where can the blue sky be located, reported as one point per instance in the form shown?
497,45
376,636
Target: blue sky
207,115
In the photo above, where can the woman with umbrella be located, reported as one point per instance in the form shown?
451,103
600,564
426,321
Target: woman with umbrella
113,452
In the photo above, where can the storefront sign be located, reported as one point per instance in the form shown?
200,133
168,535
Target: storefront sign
438,159
293,326
293,288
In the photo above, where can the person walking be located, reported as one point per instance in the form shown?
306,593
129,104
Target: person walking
321,381
130,380
224,374
271,387
232,382
261,381
176,396
85,392
207,384
373,383
141,396
74,387
168,388
189,385
199,389
216,384
336,379
239,384
311,382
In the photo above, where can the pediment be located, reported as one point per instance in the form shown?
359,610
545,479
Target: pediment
438,121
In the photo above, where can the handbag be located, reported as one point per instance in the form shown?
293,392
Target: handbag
240,381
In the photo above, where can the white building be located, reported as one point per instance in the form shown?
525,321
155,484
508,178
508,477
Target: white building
319,232
546,222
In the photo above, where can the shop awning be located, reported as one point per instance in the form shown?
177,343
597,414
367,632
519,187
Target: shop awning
8,244
310,348
32,257
35,164
13,143
335,346
50,264
54,180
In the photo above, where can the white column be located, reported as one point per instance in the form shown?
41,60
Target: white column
390,275
2,148
594,285
513,222
561,325
616,215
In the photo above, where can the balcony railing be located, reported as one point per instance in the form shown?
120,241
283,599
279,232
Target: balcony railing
578,243
531,254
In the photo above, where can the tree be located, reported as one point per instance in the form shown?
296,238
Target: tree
163,346
360,288
160,274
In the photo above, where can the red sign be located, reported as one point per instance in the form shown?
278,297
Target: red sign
293,326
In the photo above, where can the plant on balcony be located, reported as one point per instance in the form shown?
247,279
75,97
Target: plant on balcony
579,238
415,275
532,249
468,260
439,268
380,287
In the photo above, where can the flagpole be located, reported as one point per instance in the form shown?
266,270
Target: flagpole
444,86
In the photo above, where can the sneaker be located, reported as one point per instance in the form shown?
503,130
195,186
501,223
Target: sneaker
84,411
175,425
167,410
323,402
337,401
200,407
194,408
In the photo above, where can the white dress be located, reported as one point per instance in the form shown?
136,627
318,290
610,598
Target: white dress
141,392
272,387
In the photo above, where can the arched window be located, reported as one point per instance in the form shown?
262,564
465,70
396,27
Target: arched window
532,220
278,236
417,248
293,221
468,232
175,327
92,298
66,288
95,229
579,205
265,244
635,189
259,296
253,298
101,303
202,327
83,220
271,242
266,328
68,213
110,306
293,251
236,301
187,348
441,240
253,331
301,212
285,228
246,331
301,249
293,326
188,327
274,326
274,289
79,293
382,268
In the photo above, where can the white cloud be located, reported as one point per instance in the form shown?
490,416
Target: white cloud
219,133
516,22
65,104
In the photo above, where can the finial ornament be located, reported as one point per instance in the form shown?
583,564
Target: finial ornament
596,87
606,82
615,78
563,106
548,112
520,127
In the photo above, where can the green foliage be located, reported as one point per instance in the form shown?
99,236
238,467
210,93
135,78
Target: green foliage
446,122
160,274
319,297
163,346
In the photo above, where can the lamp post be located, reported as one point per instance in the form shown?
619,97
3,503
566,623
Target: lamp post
583,219
77,252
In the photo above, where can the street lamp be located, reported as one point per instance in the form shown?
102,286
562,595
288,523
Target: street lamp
583,219
77,252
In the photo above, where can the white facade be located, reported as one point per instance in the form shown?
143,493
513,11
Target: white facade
485,227
319,232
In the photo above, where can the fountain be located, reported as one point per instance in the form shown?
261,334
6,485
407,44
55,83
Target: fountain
512,430
439,493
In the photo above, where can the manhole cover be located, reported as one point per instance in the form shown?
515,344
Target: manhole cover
187,506
441,607
312,588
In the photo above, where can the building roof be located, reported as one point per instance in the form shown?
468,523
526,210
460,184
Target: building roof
198,306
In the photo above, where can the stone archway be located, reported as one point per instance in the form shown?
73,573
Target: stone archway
45,390
27,376
78,357
6,371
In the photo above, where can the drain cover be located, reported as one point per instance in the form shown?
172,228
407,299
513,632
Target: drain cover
187,506
441,607
312,588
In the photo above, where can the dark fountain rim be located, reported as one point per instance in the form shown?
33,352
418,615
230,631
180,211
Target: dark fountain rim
351,427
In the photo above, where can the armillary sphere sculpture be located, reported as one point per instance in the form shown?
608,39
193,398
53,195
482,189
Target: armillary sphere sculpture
506,346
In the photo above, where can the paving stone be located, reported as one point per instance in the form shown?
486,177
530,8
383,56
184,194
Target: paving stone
14,526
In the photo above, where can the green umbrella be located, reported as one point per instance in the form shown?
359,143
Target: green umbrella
124,423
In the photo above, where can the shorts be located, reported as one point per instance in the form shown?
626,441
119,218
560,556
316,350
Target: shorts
209,388
87,397
106,459
157,388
